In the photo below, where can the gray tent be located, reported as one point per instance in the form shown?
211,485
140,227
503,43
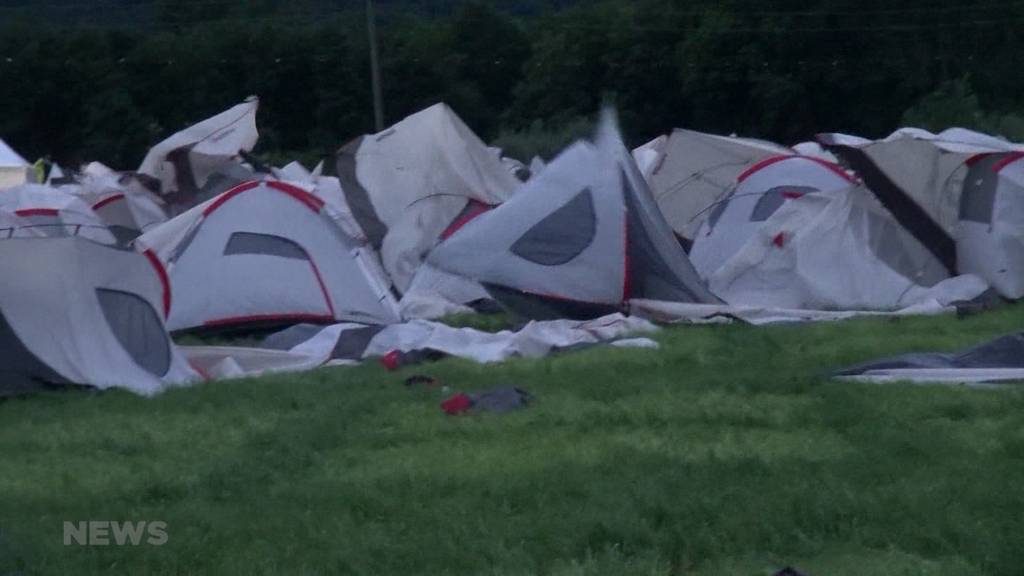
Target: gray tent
579,240
91,315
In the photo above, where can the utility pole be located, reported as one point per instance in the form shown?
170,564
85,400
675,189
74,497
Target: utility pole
378,100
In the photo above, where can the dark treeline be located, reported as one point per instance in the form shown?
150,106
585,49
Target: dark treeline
521,73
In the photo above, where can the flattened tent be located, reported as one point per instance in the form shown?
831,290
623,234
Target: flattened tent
800,232
184,164
579,240
14,170
34,210
943,188
266,253
757,193
107,306
408,184
690,171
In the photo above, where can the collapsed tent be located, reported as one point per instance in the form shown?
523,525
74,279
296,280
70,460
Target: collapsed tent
34,210
689,171
14,170
119,200
408,184
823,243
192,164
579,240
956,191
999,360
92,315
266,253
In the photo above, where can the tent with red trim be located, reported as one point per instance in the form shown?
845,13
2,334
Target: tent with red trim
119,200
408,184
73,311
579,240
757,193
689,171
957,192
266,253
801,233
34,210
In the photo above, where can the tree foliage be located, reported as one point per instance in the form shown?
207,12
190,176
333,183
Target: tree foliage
528,71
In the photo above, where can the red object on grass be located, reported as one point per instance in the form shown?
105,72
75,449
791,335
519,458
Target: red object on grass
392,360
457,404
779,240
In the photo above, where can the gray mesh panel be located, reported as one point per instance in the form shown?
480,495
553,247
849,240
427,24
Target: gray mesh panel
979,191
772,200
138,328
562,235
264,244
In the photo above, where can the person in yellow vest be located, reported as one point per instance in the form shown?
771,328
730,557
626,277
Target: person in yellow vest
39,170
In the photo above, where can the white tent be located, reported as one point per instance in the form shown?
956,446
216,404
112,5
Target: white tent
408,184
90,315
689,171
579,240
34,210
755,195
266,253
14,170
184,163
945,189
120,201
800,232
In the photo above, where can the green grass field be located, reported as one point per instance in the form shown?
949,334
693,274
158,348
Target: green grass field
725,452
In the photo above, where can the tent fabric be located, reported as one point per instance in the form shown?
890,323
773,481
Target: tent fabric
266,252
758,193
835,252
565,236
184,163
124,206
407,184
690,171
14,170
34,210
106,304
997,360
940,187
688,313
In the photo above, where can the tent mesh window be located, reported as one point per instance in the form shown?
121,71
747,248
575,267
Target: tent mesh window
770,202
138,328
562,235
265,245
978,200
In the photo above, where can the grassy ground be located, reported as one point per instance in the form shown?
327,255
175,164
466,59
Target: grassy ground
723,453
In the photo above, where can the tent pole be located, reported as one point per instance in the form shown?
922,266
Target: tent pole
378,104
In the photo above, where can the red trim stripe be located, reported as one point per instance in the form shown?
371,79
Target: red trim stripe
627,280
312,202
297,317
107,200
838,170
162,273
37,212
977,158
476,208
323,287
228,196
1009,159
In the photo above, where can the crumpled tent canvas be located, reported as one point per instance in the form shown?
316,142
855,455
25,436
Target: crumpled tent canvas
183,164
34,210
408,184
577,241
999,360
689,171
